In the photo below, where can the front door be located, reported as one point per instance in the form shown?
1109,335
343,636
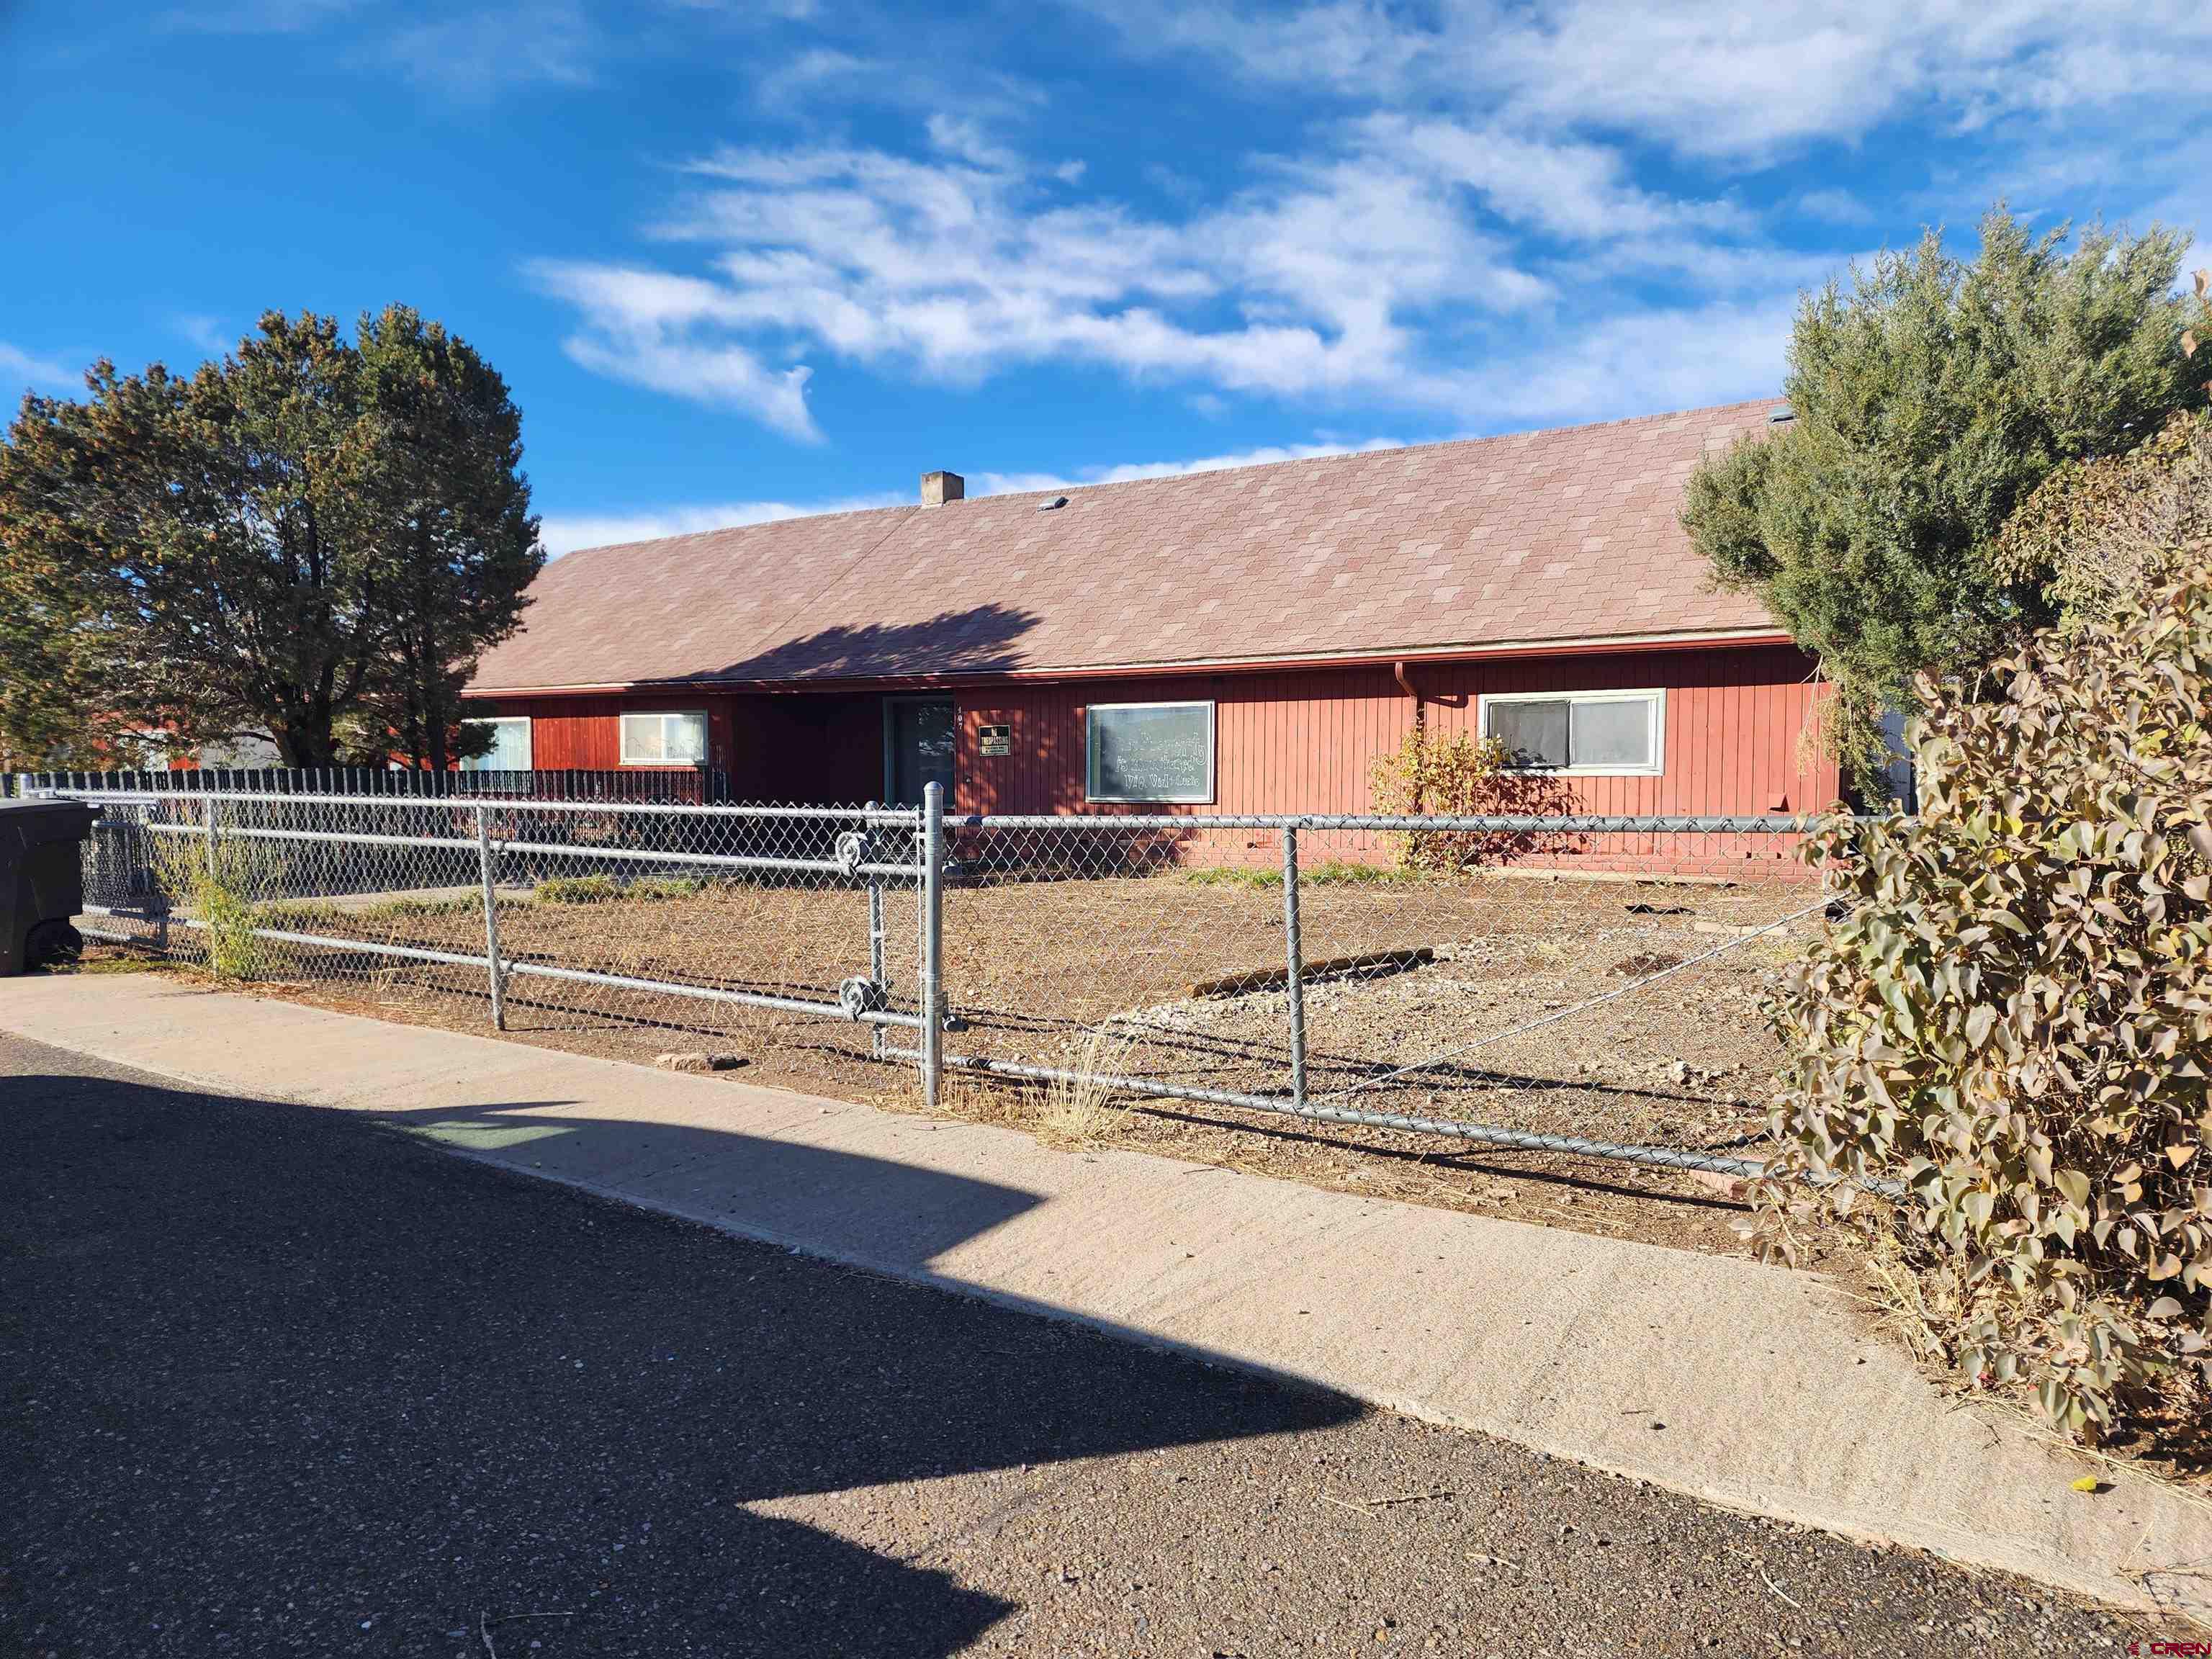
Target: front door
918,746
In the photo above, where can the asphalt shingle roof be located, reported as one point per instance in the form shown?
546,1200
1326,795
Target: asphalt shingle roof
1568,534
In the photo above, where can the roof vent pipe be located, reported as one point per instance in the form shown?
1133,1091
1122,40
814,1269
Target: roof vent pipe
939,488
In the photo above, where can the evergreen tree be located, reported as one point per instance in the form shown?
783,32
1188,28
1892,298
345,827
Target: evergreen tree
1928,401
305,540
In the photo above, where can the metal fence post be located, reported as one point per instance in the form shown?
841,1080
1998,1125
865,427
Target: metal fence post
491,921
213,869
875,964
931,849
1292,984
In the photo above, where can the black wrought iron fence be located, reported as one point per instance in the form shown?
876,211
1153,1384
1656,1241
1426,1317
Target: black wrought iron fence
699,785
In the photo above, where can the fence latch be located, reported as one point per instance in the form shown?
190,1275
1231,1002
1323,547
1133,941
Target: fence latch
852,852
859,995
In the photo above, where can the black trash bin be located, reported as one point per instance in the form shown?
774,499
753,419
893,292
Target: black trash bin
41,880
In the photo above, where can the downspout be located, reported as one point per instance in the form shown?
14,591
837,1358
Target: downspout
1398,671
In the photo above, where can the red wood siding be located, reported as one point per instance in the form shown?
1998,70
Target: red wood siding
586,733
804,749
1737,734
1303,742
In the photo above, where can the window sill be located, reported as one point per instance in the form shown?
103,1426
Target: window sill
1580,772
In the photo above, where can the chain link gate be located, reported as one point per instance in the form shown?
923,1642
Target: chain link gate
657,914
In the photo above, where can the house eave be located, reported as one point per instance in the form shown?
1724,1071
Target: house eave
1704,640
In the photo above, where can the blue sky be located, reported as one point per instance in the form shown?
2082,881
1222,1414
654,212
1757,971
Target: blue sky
740,259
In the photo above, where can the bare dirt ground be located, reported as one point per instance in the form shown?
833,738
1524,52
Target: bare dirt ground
1565,1008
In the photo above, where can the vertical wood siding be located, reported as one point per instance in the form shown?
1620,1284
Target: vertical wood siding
1304,741
1738,734
586,733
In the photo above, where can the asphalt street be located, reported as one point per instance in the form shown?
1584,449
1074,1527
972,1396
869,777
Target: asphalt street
274,1381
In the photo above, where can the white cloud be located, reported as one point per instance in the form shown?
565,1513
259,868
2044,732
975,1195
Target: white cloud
1729,77
20,370
1017,483
467,53
564,533
650,329
472,54
1636,361
205,333
1571,189
1310,279
823,77
961,137
1838,207
1477,214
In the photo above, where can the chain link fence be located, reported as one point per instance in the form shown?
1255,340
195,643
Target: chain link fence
1584,986
1475,978
700,924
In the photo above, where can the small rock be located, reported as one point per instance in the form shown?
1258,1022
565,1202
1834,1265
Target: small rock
699,1062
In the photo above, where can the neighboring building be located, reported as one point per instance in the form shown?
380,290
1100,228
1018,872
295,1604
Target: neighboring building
1246,641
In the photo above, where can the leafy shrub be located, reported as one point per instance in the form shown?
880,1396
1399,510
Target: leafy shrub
1462,777
2097,530
2015,1017
1930,395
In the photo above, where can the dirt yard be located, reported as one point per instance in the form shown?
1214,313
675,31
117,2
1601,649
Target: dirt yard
1563,1007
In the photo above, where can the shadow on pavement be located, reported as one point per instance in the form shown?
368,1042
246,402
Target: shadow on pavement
275,1381
904,1215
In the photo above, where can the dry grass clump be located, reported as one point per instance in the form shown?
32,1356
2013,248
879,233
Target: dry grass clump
1079,1112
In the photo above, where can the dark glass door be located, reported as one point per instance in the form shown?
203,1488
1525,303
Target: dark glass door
918,746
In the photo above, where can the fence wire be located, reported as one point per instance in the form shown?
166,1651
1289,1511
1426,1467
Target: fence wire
698,928
1588,985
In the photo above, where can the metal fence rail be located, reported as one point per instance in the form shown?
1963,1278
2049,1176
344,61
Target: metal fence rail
651,916
1456,976
1580,986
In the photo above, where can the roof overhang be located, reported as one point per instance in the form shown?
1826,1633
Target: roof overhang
1710,640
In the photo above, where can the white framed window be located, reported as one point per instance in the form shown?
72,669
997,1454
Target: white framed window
1156,752
1603,735
670,737
510,745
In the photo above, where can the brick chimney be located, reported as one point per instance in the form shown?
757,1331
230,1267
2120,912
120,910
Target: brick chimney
939,488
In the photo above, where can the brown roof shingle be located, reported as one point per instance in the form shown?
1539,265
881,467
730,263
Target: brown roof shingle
1569,534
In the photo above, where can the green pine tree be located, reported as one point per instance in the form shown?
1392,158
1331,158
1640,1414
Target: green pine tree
1928,401
308,539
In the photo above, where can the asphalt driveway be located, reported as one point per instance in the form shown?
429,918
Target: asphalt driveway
275,1381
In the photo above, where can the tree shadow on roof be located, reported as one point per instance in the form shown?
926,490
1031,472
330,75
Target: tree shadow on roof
982,639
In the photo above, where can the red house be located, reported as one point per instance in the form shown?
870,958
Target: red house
1244,642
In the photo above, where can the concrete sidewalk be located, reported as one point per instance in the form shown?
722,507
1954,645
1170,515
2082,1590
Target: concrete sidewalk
1745,1385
